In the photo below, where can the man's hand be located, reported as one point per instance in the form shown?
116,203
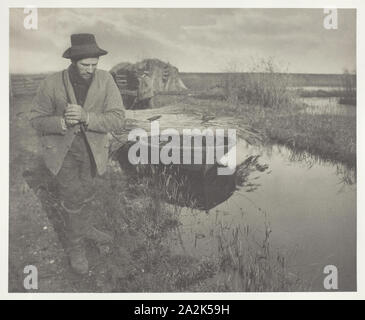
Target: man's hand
75,114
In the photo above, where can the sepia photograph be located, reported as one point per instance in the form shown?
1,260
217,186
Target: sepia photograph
171,150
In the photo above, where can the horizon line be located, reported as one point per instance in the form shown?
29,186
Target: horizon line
199,72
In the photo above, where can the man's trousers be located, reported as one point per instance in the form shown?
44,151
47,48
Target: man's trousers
75,188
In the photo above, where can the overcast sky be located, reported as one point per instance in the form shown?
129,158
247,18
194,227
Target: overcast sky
194,40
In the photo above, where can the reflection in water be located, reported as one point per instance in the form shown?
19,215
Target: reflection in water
193,186
345,174
311,207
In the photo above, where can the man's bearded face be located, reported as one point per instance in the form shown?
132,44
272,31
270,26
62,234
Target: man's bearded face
87,67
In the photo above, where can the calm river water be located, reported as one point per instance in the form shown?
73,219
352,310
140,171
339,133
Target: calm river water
310,206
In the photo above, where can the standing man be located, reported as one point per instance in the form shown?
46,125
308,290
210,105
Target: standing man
74,111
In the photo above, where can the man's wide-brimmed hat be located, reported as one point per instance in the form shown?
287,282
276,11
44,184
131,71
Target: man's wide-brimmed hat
83,45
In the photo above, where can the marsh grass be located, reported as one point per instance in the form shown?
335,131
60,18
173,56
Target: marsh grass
264,101
266,84
146,227
348,88
247,264
319,93
346,91
331,136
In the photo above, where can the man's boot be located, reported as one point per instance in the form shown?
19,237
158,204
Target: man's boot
77,256
75,230
89,231
79,228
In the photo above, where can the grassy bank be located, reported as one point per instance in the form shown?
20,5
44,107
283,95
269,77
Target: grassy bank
331,137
